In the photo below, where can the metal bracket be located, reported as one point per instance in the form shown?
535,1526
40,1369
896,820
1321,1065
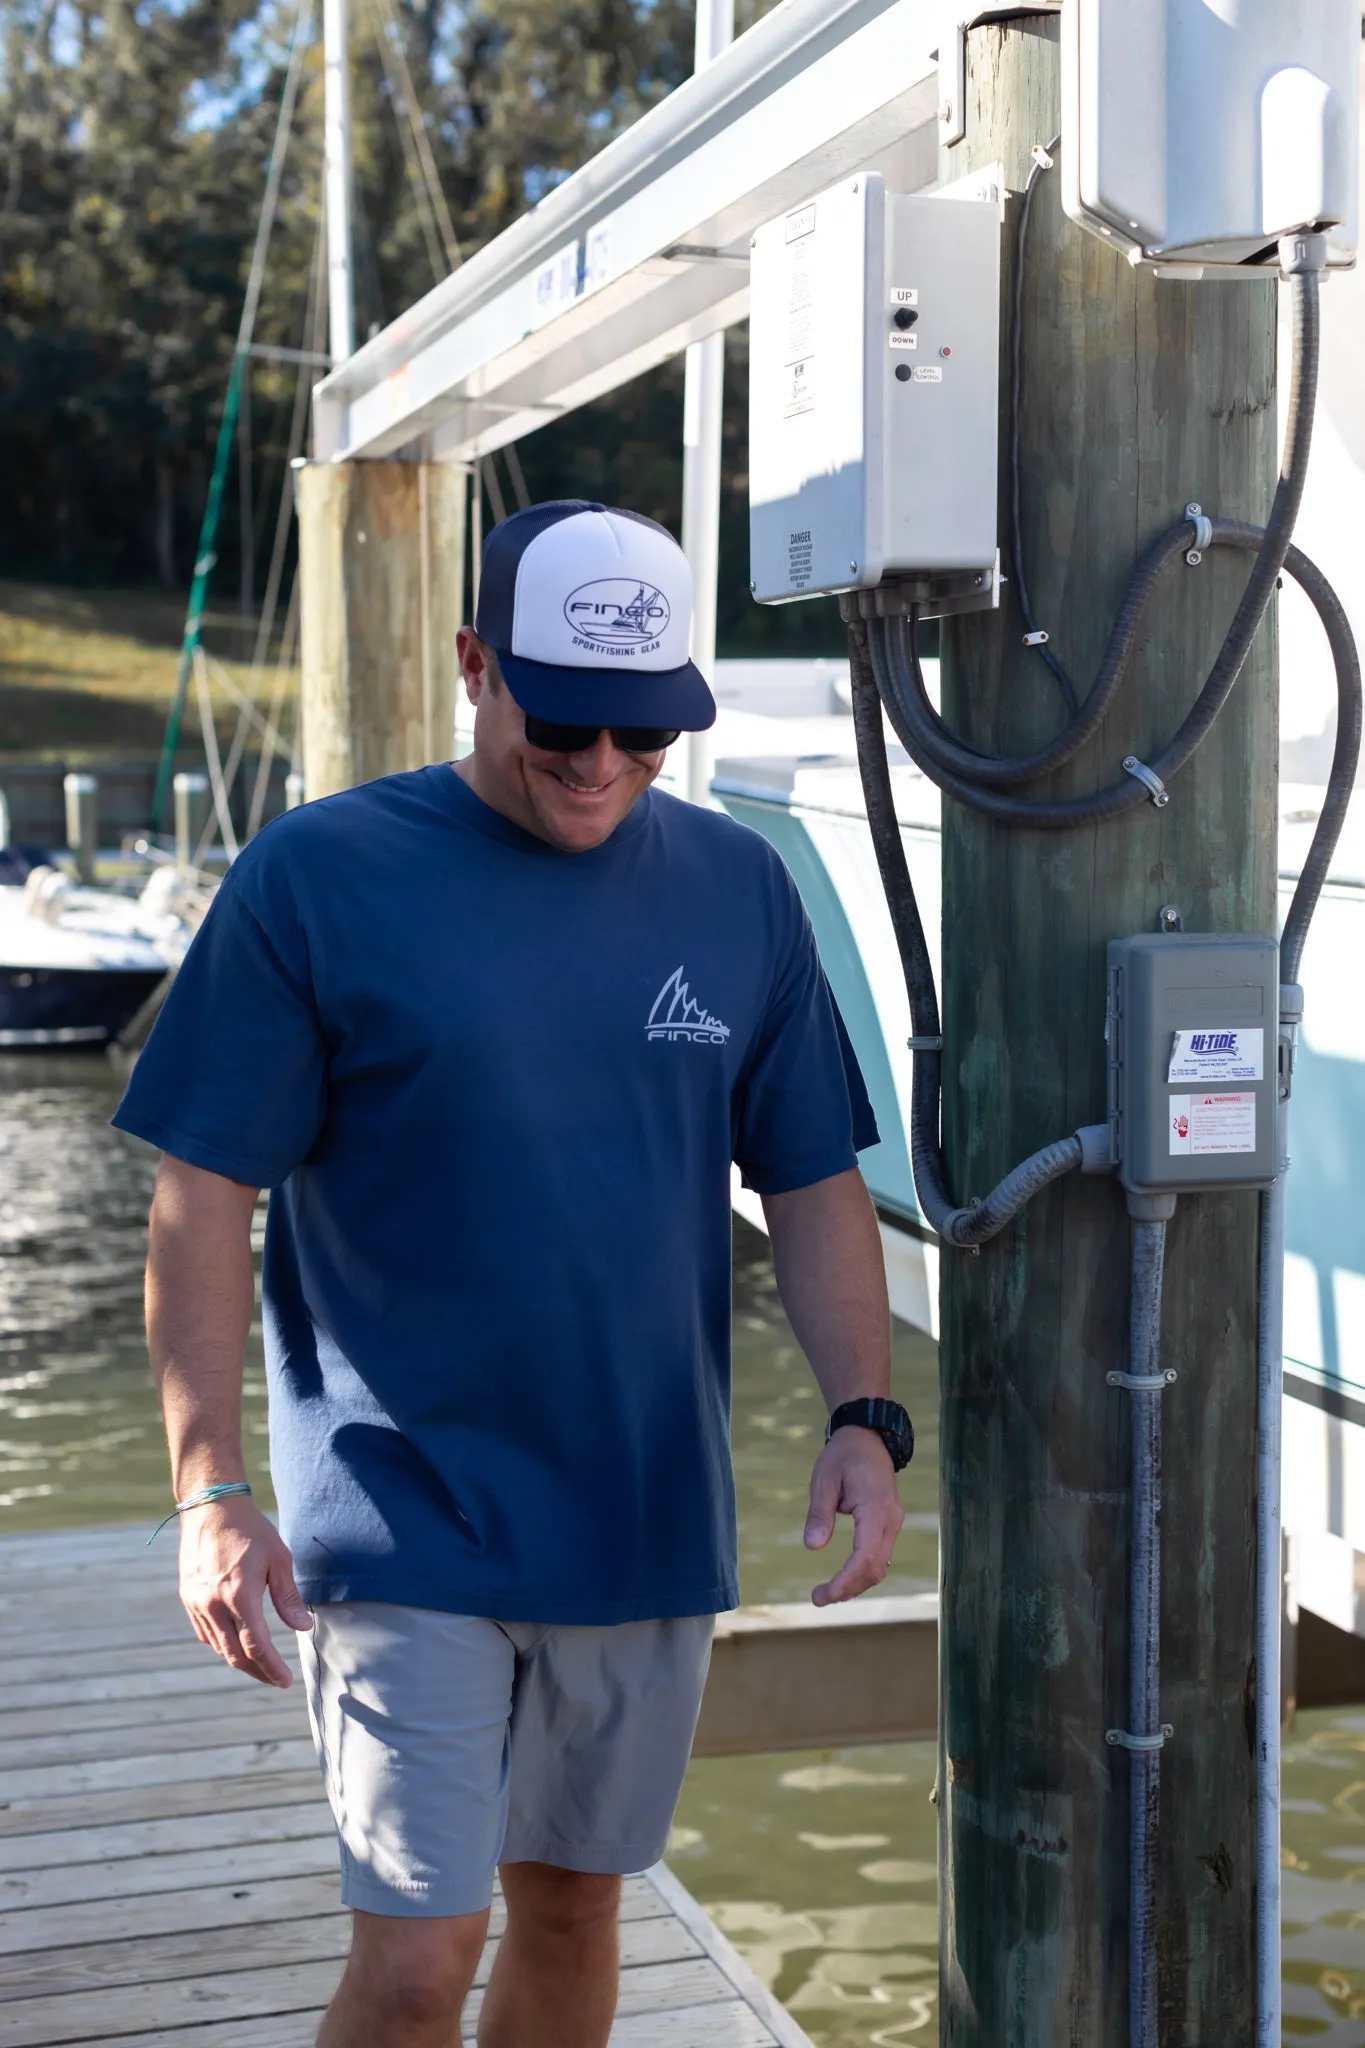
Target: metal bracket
925,1044
1203,534
1119,1738
1143,1382
952,58
1149,778
1038,639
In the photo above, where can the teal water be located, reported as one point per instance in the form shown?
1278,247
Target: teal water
819,1866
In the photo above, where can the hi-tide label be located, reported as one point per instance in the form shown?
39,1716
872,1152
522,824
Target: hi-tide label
1223,1052
1204,1124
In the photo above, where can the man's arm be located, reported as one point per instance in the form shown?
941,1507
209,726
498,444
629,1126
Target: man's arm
828,1256
200,1295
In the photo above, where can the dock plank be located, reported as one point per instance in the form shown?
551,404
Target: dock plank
69,1849
207,1796
645,1939
731,2024
105,2014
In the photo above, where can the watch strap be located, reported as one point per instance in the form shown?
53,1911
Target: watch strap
887,1419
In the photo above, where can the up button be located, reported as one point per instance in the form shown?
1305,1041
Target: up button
904,316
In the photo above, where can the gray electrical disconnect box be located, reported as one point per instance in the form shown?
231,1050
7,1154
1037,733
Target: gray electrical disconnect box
874,366
1193,1031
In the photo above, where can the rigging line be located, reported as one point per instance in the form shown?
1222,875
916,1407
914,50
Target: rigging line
419,134
248,709
206,552
215,766
518,476
274,741
303,385
284,122
425,214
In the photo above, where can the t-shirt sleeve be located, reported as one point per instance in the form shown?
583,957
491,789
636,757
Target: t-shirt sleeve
233,1076
803,1112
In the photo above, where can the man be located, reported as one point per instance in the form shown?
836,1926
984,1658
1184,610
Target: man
492,1035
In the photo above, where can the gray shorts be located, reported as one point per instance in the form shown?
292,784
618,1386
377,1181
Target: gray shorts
450,1744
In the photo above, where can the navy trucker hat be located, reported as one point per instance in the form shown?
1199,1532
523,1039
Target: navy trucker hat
589,611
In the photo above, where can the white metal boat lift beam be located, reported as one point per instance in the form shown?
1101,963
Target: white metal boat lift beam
646,248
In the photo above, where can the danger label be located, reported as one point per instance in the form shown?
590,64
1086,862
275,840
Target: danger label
1224,1052
1205,1124
799,395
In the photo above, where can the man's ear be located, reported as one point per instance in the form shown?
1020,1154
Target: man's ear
473,658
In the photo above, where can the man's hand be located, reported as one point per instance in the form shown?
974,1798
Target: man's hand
229,1554
854,1476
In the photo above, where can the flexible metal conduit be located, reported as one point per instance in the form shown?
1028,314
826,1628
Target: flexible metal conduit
1145,1735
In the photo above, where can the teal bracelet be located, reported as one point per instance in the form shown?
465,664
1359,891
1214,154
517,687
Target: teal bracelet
200,1500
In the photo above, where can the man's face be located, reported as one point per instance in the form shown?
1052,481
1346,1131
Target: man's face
573,801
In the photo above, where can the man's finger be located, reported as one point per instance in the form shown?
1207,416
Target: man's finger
824,1505
869,1561
228,1626
254,1637
290,1604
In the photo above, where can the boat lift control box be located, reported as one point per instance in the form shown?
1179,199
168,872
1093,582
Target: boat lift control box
874,353
1193,1032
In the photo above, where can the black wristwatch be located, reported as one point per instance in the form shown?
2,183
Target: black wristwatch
887,1418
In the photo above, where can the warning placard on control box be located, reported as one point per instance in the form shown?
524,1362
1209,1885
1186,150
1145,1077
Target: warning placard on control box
1204,1124
1224,1052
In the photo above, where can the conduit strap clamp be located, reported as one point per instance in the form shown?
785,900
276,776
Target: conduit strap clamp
925,1044
1203,534
1038,639
1119,1738
1149,779
1143,1382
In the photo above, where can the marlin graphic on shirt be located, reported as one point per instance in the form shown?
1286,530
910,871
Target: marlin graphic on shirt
675,1015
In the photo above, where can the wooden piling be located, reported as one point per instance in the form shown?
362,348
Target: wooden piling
381,562
1139,396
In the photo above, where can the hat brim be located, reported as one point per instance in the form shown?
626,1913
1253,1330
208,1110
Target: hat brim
673,699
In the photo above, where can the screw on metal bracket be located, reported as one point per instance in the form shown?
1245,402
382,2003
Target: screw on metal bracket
1169,919
1203,534
1143,1382
1149,778
853,568
1119,1738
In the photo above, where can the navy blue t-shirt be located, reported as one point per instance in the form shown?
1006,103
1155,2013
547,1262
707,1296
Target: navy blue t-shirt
495,1090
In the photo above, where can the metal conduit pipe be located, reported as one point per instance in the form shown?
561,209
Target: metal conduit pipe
1146,1733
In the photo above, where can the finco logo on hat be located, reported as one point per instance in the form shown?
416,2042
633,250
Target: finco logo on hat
589,610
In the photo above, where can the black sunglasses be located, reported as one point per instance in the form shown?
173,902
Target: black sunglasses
553,738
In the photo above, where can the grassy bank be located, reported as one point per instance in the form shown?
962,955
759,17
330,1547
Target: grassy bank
87,675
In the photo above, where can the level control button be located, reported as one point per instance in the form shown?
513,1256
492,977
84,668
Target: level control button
905,316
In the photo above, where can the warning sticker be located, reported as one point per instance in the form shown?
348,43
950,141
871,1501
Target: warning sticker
1203,1124
799,395
1222,1053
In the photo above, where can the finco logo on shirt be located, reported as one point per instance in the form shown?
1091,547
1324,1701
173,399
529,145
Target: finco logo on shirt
618,615
675,1015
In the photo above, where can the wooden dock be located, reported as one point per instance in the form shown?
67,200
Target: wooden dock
168,1872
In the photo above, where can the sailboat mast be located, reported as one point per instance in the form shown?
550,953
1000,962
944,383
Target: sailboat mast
337,180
